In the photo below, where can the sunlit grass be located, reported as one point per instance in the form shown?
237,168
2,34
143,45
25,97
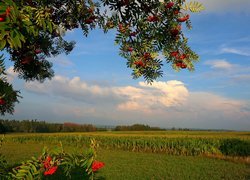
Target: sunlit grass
137,165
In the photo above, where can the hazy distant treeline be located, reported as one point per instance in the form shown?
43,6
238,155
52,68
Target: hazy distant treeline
32,126
137,127
35,126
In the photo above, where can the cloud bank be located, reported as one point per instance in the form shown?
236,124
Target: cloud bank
144,97
164,104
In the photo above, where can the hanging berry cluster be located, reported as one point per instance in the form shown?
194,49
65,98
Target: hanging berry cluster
153,29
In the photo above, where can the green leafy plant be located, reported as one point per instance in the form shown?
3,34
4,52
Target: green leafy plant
53,160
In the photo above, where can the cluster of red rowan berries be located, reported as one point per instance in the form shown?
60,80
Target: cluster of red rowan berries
175,31
179,57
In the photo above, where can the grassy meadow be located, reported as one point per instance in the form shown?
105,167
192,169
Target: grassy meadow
147,154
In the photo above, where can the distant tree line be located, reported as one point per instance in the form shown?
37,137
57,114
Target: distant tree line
137,127
34,126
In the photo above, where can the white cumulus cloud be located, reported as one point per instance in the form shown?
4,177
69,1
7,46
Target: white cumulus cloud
144,97
158,95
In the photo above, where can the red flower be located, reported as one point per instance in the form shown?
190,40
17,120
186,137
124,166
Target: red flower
2,17
50,171
97,165
8,11
46,163
2,101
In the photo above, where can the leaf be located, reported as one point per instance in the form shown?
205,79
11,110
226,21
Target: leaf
2,44
22,171
10,42
17,42
193,6
2,34
50,27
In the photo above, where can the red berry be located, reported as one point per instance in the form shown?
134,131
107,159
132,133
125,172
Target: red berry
2,101
92,17
27,60
38,51
176,12
147,55
124,2
183,56
120,26
89,21
90,10
178,64
175,32
133,34
122,29
152,18
183,19
139,63
174,53
169,5
130,49
183,66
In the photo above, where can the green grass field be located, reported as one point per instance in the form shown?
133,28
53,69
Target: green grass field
146,157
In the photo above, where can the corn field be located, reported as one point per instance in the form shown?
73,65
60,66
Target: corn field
172,142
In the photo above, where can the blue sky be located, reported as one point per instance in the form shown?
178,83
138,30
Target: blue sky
93,84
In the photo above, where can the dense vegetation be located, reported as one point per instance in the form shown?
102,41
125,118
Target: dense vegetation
34,126
137,127
168,142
